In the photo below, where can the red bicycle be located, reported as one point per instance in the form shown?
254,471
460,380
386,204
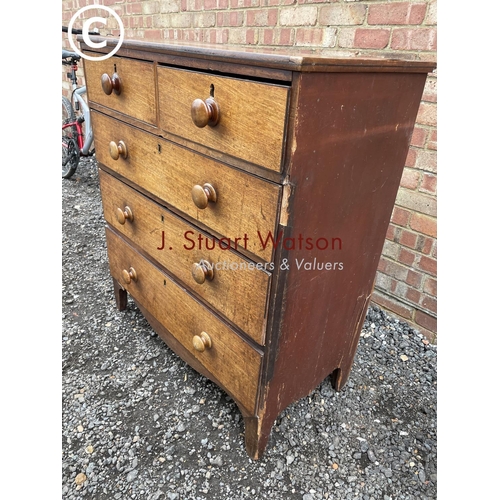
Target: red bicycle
77,134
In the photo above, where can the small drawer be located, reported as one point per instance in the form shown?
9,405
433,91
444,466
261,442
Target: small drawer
221,277
230,202
125,85
241,118
233,362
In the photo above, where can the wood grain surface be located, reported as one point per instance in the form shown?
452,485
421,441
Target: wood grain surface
252,114
137,78
246,205
233,362
238,289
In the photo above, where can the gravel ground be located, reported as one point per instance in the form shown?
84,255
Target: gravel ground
138,423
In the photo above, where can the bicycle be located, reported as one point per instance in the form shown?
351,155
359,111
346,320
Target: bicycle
77,139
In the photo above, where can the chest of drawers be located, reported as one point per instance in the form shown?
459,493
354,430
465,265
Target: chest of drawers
247,197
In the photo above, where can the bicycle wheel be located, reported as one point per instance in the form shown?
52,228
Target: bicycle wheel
70,151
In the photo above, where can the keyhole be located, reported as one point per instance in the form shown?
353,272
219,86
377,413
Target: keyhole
159,148
212,89
114,67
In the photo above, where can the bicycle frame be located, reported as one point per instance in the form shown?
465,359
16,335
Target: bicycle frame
84,143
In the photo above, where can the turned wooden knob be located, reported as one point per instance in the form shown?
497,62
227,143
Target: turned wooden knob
111,84
202,342
117,150
203,194
202,271
123,215
129,275
205,112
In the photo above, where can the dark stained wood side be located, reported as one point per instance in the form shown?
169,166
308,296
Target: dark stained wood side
345,170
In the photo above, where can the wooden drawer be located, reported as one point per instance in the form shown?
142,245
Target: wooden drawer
170,241
245,206
252,114
230,359
137,97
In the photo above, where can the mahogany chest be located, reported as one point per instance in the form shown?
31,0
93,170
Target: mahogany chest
247,197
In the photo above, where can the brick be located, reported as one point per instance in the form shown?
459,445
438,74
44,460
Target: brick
429,183
411,158
309,36
410,179
432,142
203,19
408,239
383,281
390,249
416,201
342,15
371,38
414,279
345,38
390,304
400,216
430,286
430,90
418,137
427,114
406,257
150,7
423,224
424,244
298,16
426,320
397,13
222,4
181,20
426,160
133,8
413,295
390,232
262,17
430,336
430,303
431,18
414,39
210,4
428,265
233,18
252,36
286,36
153,34
395,270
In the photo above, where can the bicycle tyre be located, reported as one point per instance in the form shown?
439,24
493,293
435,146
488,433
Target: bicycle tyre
70,151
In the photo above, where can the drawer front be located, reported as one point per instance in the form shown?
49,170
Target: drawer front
252,115
136,86
230,359
245,205
234,287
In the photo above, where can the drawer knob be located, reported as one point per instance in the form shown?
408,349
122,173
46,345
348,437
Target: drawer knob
123,215
111,84
202,271
203,194
205,112
129,275
202,342
117,150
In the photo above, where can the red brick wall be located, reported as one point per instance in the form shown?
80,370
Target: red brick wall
406,281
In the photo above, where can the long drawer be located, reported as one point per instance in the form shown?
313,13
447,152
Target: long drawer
233,362
251,115
245,206
231,284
